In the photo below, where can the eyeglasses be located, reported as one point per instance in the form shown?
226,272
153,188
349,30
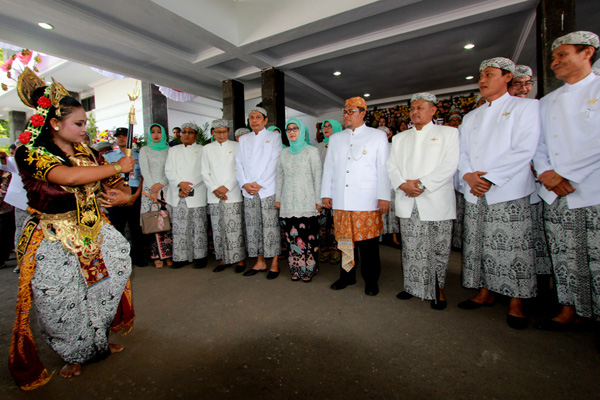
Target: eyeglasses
528,84
296,129
349,112
327,127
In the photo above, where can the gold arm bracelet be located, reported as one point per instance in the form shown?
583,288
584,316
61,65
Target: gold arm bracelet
118,167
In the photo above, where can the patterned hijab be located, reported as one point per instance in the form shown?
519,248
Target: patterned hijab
336,127
300,143
163,144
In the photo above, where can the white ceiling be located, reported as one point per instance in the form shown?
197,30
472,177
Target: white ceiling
388,48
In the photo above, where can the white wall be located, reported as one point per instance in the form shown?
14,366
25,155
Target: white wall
113,104
199,111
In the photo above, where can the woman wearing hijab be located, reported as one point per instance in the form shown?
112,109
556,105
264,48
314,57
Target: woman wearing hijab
298,198
327,242
153,157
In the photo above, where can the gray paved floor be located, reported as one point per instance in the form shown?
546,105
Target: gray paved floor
205,335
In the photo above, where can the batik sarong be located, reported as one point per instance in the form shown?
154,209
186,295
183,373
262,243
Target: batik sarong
189,227
458,223
425,254
227,220
543,263
161,245
263,233
327,240
391,223
354,226
498,252
303,243
574,243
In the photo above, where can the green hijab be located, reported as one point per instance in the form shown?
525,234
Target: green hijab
335,128
163,144
272,129
300,144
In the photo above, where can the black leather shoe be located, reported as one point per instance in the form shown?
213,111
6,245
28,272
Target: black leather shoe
239,269
272,274
220,267
517,322
472,305
201,263
178,264
553,326
372,290
252,272
404,295
439,305
341,284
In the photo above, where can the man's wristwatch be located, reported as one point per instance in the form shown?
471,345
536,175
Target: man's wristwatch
421,186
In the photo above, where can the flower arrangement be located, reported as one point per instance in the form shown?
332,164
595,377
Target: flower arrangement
16,64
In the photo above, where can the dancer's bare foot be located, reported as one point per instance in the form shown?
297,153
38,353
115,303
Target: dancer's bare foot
442,297
70,370
115,348
395,239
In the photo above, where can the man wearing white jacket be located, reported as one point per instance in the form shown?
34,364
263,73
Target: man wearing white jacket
224,198
568,165
256,163
421,166
497,143
356,186
187,198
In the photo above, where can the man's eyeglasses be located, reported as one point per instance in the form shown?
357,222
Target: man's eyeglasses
528,84
349,112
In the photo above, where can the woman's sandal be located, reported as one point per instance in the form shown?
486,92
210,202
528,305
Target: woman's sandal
295,278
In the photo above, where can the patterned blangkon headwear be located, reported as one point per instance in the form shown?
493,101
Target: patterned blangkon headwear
579,37
498,62
522,71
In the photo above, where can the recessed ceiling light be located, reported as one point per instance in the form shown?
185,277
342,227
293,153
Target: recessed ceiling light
45,25
469,46
366,94
337,73
469,77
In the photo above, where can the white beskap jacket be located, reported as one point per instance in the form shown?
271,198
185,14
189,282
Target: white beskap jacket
430,155
184,165
354,174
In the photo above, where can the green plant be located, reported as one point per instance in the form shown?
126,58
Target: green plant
92,128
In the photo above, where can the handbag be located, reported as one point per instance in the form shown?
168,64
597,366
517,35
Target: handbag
156,221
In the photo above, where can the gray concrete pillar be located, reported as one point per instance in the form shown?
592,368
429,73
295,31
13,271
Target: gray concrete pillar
273,98
17,122
233,105
554,18
154,104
